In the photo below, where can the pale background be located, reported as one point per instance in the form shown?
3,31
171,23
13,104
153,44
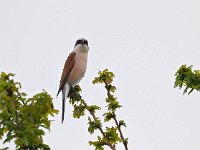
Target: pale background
142,41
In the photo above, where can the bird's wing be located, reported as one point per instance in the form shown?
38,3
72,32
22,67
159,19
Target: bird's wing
69,64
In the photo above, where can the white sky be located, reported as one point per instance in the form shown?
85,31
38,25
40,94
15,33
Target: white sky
143,42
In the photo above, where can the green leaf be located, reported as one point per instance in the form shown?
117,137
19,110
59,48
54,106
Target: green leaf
93,108
98,144
108,116
23,120
187,78
112,135
104,77
78,111
122,123
93,125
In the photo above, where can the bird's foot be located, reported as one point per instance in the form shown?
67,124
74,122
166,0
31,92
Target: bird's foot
74,94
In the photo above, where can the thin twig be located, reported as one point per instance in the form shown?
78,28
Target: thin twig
100,129
116,122
120,131
95,119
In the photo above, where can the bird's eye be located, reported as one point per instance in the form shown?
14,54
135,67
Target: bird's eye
77,42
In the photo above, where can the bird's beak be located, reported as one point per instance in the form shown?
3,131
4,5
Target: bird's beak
82,42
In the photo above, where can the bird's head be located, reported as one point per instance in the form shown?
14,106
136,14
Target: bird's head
81,41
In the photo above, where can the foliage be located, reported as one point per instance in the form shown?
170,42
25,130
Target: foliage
187,78
23,119
112,135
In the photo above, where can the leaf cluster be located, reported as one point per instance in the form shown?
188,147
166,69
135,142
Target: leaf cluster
23,119
112,135
186,77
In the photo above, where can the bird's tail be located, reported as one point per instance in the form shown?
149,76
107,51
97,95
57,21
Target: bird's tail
65,92
63,109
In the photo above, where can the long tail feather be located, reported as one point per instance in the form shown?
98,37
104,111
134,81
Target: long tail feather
65,92
63,109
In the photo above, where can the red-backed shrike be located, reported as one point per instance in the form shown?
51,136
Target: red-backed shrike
74,70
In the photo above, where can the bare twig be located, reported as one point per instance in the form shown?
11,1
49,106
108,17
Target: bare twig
120,131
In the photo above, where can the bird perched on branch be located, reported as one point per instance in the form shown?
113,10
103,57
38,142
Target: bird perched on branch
74,70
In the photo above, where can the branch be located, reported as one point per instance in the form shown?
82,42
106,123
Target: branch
112,135
76,97
100,128
125,142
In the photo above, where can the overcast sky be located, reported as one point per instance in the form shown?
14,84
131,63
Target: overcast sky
143,42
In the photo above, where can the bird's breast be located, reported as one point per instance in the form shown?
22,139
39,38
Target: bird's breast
81,63
79,69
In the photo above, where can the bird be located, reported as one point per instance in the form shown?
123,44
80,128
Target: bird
74,70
